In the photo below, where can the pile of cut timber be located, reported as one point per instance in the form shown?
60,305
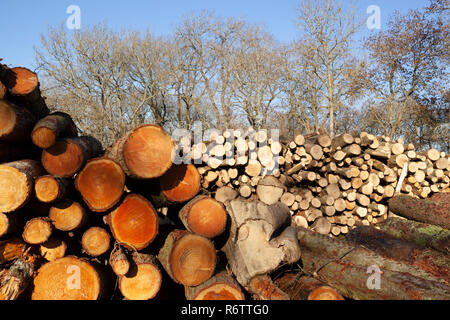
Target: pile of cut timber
251,218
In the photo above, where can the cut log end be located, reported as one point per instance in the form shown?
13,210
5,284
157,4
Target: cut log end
134,222
53,249
324,293
95,241
63,159
37,231
43,137
192,260
68,278
47,189
101,183
205,216
148,152
180,183
67,216
144,284
21,81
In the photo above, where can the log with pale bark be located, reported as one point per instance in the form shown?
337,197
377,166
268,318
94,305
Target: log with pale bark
249,249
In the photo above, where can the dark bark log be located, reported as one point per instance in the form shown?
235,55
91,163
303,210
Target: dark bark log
422,210
353,271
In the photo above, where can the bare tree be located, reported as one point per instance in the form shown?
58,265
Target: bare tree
328,29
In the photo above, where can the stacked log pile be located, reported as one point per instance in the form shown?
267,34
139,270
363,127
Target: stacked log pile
330,184
252,217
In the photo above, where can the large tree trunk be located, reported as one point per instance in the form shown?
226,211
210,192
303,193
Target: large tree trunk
101,183
353,270
435,212
67,156
54,126
419,233
17,182
250,250
402,251
145,152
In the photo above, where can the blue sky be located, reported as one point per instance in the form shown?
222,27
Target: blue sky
22,22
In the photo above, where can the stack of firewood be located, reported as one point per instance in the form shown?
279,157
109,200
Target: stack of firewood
75,217
330,184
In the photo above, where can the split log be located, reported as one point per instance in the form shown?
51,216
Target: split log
189,259
300,287
54,248
422,210
54,126
101,183
68,278
37,230
17,182
16,279
95,241
51,188
11,249
67,156
249,249
429,260
204,216
134,223
67,215
422,234
119,261
15,123
145,152
348,269
144,279
222,286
